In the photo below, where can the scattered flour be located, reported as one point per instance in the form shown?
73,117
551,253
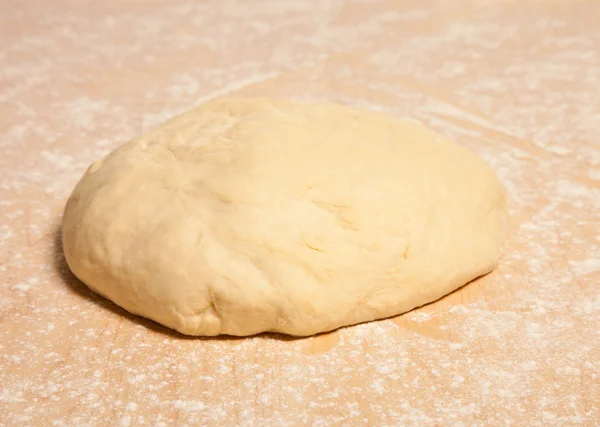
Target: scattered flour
520,89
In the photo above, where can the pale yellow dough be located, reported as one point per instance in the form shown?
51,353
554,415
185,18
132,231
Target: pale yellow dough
244,216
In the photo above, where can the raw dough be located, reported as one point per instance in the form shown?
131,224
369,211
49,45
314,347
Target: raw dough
244,216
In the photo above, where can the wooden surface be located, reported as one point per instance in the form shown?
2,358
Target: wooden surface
516,82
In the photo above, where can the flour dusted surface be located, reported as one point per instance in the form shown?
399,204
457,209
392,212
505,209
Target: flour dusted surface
515,82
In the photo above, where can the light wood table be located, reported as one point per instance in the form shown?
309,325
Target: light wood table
518,82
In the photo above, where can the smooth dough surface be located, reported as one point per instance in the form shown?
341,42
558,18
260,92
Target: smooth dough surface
252,215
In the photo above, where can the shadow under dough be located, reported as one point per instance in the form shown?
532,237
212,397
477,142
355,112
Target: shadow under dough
78,287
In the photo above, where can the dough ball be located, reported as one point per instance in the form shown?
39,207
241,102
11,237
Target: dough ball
244,216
